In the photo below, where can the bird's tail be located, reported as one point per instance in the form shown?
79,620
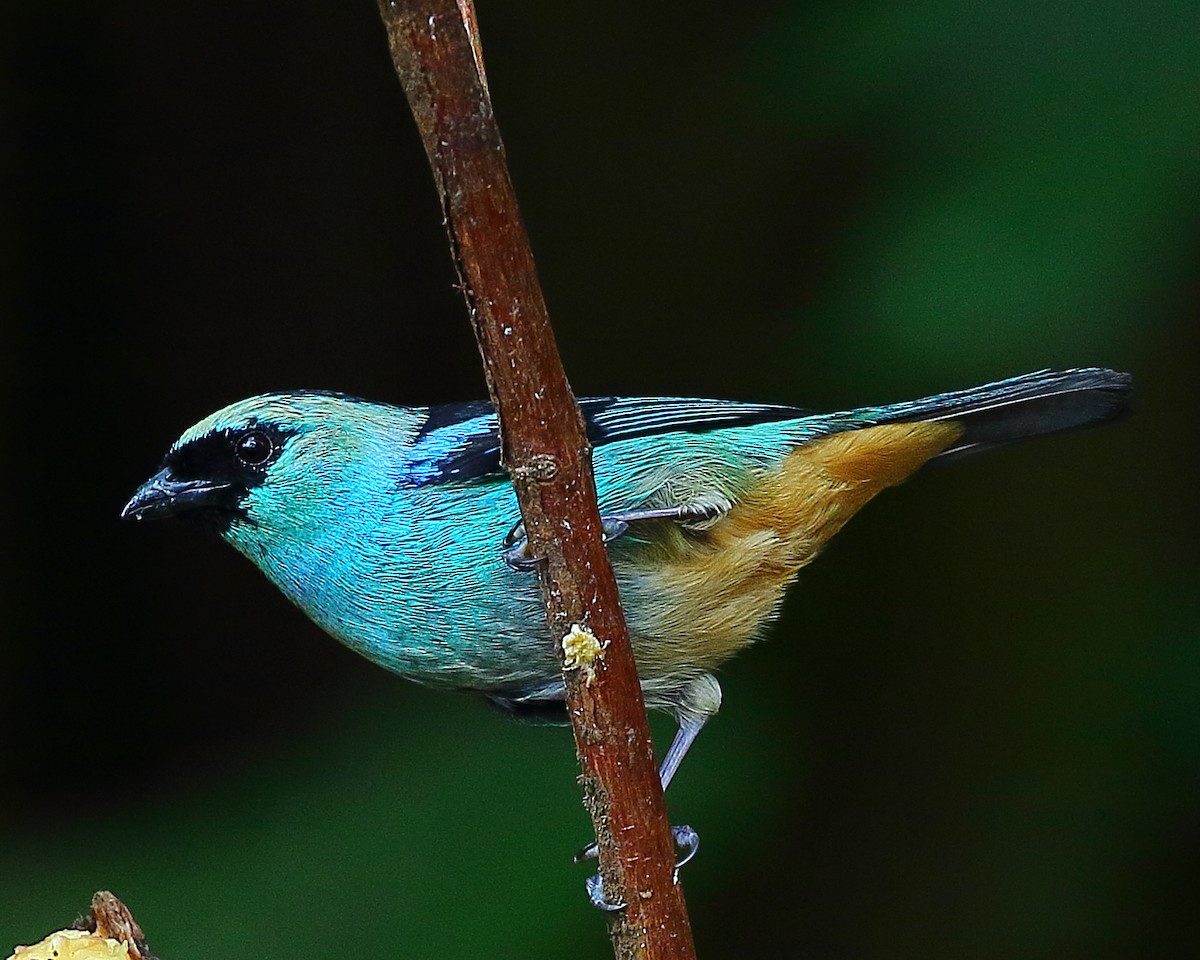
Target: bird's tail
727,585
1030,405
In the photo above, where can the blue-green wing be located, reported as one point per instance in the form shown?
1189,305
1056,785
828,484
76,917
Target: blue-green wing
672,449
461,442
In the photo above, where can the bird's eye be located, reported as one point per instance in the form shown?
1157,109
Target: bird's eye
253,449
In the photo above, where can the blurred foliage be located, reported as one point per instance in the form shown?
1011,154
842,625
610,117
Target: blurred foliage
975,732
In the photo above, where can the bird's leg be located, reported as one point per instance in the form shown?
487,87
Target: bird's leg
616,524
685,736
699,700
613,525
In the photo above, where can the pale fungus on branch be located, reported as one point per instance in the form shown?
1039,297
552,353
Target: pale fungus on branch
581,650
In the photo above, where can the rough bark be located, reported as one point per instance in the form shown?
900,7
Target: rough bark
436,51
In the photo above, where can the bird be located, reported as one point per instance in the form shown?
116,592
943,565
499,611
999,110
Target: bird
396,529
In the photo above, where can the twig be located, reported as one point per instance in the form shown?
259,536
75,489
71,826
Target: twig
436,52
108,931
110,918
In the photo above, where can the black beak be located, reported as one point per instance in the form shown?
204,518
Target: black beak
164,495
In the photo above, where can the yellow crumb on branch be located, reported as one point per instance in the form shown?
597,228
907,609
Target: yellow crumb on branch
581,650
74,945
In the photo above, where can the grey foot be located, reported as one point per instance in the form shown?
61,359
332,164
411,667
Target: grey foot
687,841
518,557
516,544
595,892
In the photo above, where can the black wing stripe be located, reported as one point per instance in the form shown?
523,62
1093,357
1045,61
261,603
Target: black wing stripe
461,441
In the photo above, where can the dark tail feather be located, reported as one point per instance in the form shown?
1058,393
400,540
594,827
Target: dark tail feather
1049,401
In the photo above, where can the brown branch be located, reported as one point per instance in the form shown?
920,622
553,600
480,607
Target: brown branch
437,55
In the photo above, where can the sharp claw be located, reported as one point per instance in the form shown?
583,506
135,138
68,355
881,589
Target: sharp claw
595,891
688,841
515,535
518,557
590,852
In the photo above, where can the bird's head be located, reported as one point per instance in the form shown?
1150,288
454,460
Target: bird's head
269,464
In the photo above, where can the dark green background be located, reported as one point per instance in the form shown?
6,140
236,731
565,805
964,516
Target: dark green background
975,732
